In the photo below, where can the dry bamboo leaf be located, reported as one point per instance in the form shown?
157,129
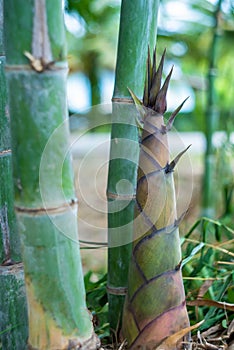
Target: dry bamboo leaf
207,302
210,346
215,330
204,288
230,328
122,345
216,247
171,341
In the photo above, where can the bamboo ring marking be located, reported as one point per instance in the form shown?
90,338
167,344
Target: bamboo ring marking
117,290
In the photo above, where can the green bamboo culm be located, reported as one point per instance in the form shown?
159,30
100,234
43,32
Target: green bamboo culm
9,243
138,25
36,71
13,306
155,305
211,121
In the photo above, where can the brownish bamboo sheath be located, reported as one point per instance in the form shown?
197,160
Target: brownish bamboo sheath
155,303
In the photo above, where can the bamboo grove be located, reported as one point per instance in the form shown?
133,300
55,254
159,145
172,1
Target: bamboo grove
155,305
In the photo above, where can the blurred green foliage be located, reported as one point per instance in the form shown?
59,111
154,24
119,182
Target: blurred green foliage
185,29
92,38
188,38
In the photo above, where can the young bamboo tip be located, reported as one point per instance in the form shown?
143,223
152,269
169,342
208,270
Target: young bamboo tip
148,79
146,90
154,62
156,80
149,71
174,114
170,166
161,100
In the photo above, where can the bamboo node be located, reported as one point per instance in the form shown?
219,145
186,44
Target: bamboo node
122,100
38,64
5,152
42,210
128,196
117,290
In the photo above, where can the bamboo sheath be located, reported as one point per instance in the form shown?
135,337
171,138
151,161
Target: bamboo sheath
155,303
138,24
44,192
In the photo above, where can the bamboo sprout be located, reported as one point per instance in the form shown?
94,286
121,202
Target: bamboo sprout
138,24
36,74
155,303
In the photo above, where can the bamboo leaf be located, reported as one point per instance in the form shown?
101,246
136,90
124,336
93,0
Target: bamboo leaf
221,292
215,247
193,253
204,288
192,229
217,233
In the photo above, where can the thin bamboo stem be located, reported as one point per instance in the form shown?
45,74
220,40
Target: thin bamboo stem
211,121
138,24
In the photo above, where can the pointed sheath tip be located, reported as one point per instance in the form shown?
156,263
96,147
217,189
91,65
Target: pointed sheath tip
164,52
181,218
136,100
174,114
139,106
170,166
154,61
161,99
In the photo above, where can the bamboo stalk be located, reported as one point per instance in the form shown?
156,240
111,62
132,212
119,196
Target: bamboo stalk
138,24
155,303
211,122
36,74
13,315
9,243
